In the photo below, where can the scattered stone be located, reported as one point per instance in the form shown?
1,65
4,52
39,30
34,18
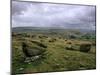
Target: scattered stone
34,58
27,60
66,57
69,47
21,68
52,40
29,63
69,42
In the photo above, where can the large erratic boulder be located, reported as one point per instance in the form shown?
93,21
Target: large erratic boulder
82,47
31,50
85,47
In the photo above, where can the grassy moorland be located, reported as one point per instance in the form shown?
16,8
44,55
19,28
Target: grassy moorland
62,51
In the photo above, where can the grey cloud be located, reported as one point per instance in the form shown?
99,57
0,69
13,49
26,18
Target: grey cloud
52,15
17,7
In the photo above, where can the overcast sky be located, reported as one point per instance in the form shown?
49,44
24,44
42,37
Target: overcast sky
52,15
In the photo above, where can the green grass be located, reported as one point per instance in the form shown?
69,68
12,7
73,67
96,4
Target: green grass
57,57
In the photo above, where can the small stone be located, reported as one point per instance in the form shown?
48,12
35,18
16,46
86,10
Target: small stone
66,57
27,60
35,58
57,64
21,68
29,63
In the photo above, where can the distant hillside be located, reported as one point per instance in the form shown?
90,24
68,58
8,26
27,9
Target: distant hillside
50,29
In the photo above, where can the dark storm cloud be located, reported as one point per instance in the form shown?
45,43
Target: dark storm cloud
52,15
